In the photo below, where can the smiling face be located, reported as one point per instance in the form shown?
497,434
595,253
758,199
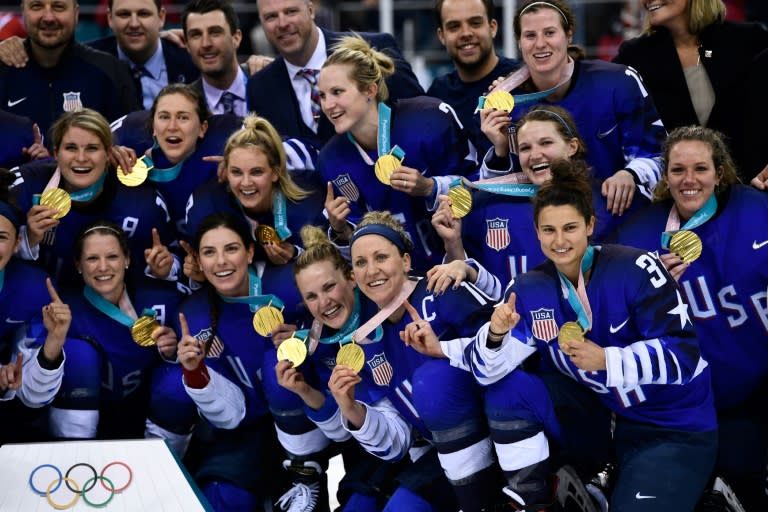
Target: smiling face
224,259
290,27
342,101
137,25
467,33
691,176
211,43
667,13
9,241
177,126
103,264
82,158
379,269
543,41
50,23
538,144
251,179
564,235
328,294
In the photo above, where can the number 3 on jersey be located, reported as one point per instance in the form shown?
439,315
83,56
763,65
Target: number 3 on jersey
650,263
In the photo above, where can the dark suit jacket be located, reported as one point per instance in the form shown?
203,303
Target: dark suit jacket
177,60
727,50
271,95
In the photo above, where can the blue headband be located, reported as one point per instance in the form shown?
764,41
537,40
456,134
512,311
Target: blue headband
381,230
559,118
12,214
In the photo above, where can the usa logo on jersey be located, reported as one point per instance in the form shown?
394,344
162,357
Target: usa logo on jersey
215,345
347,187
497,236
72,102
381,369
544,326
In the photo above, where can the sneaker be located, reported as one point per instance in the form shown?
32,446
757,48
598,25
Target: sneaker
300,498
734,505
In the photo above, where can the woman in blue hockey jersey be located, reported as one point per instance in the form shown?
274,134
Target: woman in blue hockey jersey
109,357
700,194
417,143
613,112
260,189
81,142
611,319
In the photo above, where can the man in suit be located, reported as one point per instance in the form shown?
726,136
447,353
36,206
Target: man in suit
283,91
213,36
154,62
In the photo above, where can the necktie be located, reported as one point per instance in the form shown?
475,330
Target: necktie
227,102
310,75
138,71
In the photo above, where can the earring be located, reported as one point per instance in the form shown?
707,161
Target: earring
126,267
369,99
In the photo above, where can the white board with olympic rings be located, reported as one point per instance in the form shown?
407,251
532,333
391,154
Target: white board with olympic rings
128,476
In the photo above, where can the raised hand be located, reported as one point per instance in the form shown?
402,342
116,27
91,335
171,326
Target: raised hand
279,253
419,335
338,209
39,221
123,157
291,378
619,190
505,316
191,350
13,53
342,386
282,332
760,182
221,170
495,124
587,355
166,341
10,374
411,181
444,223
674,265
158,257
449,275
37,151
56,318
191,267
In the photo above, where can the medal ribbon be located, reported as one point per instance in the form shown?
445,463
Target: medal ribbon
509,185
279,212
383,140
125,314
359,336
704,213
255,300
520,76
80,196
2,279
343,333
163,175
577,297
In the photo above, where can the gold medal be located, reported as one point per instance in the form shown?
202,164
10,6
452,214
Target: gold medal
266,319
137,176
57,198
293,350
500,100
687,245
461,201
141,330
385,166
351,355
569,332
266,234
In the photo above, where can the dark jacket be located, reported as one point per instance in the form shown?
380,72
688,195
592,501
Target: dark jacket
727,50
271,95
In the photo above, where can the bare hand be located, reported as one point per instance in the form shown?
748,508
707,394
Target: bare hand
619,190
412,182
419,334
56,319
587,355
291,378
221,170
279,253
191,350
444,223
39,221
449,275
282,332
13,53
175,36
256,63
191,267
158,257
674,265
495,126
37,151
760,181
342,386
338,209
505,316
10,374
166,340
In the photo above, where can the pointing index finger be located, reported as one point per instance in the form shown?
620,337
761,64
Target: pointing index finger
52,291
36,135
155,238
329,196
412,311
187,248
184,325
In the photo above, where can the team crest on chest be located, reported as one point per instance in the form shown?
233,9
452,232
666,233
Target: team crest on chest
544,326
216,345
347,187
497,234
72,102
381,369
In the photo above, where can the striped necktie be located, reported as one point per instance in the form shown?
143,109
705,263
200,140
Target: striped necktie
310,75
227,102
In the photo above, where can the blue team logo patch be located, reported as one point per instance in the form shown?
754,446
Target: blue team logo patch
497,234
72,102
381,369
544,326
347,187
216,346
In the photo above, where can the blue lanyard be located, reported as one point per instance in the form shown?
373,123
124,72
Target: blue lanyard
705,213
573,297
255,300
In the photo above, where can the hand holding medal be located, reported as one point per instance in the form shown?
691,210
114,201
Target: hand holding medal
137,174
143,327
267,318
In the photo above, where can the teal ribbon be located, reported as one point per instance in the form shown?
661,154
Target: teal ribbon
504,189
280,213
111,310
163,175
704,213
522,99
384,140
255,299
2,279
345,333
83,195
573,297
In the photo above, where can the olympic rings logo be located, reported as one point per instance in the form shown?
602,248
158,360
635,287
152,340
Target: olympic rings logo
73,486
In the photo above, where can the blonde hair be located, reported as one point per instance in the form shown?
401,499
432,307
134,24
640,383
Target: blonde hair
259,133
701,14
318,248
86,119
721,157
369,66
385,218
